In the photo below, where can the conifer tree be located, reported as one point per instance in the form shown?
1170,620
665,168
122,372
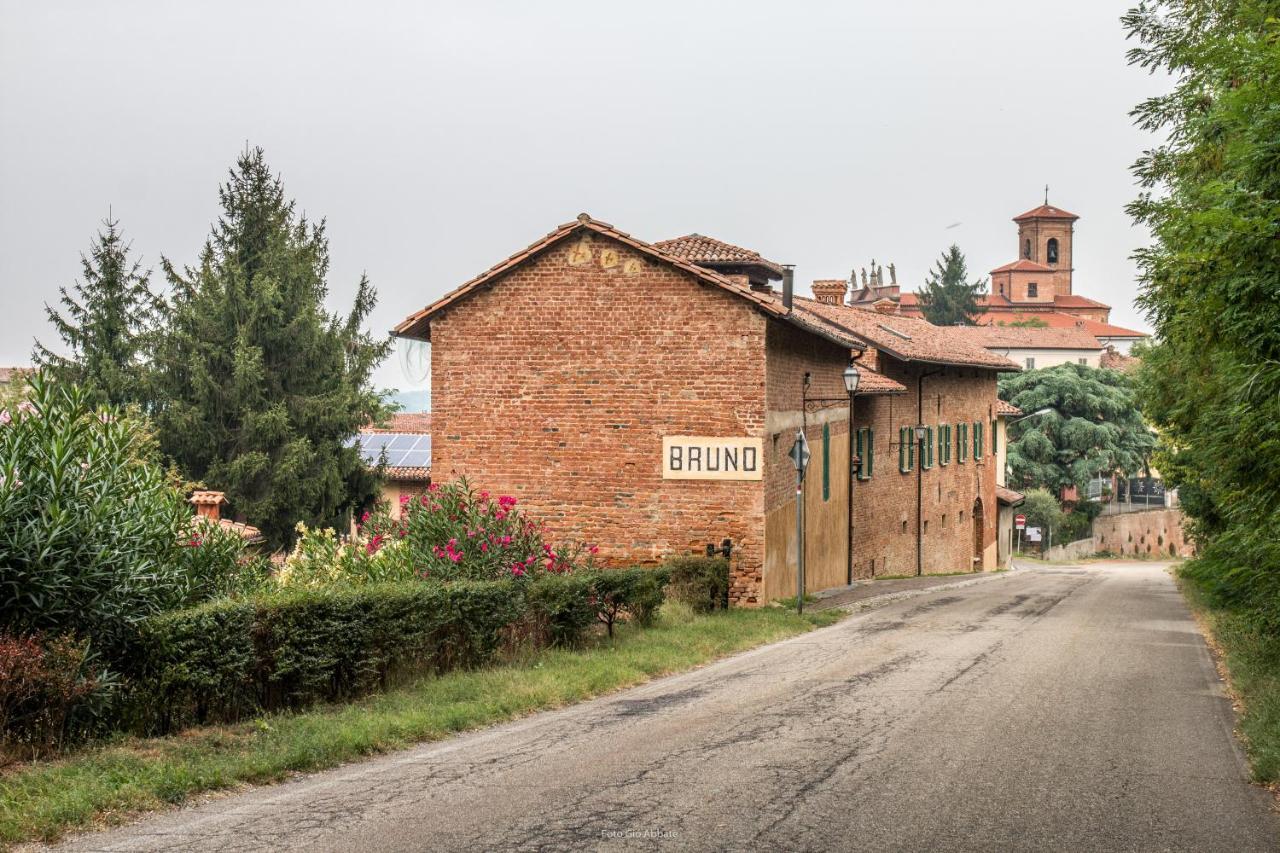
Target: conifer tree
109,315
260,388
948,297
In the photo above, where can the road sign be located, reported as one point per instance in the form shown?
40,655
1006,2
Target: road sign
799,453
1020,521
1033,534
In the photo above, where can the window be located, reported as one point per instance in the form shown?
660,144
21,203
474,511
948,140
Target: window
944,444
1031,363
977,439
1033,290
962,442
1051,250
826,462
994,433
926,452
866,452
906,449
926,525
1083,361
1026,248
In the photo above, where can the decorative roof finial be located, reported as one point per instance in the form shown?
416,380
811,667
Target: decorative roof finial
1046,193
584,217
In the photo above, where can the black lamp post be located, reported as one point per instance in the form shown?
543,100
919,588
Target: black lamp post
851,379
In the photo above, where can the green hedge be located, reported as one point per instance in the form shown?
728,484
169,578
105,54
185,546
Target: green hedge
700,582
232,659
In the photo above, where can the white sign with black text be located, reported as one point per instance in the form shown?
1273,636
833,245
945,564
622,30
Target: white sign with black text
691,457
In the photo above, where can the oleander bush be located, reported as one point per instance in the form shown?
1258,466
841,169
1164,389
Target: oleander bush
700,582
52,691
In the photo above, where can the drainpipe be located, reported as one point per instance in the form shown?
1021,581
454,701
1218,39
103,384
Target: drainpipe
920,471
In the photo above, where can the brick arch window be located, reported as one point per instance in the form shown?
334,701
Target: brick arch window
1051,250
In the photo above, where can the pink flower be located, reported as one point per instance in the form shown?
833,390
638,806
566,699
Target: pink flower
404,499
484,496
453,543
594,549
27,407
433,487
506,502
455,556
517,569
506,540
484,547
364,518
5,417
423,500
374,544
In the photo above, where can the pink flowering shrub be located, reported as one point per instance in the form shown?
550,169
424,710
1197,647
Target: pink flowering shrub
455,532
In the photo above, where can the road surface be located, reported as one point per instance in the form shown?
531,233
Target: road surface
1049,709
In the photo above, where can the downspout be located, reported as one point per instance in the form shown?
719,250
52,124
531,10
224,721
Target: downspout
920,471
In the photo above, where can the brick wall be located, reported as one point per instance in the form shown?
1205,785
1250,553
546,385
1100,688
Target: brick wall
556,384
1153,533
885,506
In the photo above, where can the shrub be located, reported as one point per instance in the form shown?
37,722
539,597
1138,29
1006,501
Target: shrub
49,691
451,532
561,605
700,582
92,532
229,659
637,593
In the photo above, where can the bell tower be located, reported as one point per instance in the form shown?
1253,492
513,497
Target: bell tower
1044,237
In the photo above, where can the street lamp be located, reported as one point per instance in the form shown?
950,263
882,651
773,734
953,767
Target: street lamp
851,379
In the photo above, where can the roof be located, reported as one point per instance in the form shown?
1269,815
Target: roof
1113,360
404,422
1009,497
870,382
1005,408
906,338
999,302
246,532
409,473
203,497
708,250
1045,211
1023,337
10,374
418,325
1074,300
1023,265
1057,320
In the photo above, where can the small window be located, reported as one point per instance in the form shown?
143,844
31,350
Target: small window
962,442
1083,361
904,526
978,448
1051,250
1033,290
926,525
866,451
926,452
944,444
1031,363
944,519
906,449
1002,288
1026,248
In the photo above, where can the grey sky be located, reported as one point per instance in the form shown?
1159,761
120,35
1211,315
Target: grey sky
437,138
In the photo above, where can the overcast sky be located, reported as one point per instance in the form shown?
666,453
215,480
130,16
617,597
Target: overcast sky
438,138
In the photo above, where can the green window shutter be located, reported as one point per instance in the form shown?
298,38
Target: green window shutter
977,439
962,442
911,448
902,450
927,461
826,462
995,432
947,447
871,451
859,450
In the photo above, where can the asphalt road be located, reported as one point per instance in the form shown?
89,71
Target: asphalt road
1049,709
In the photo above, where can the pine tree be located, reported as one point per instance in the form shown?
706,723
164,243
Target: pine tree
948,297
108,319
260,388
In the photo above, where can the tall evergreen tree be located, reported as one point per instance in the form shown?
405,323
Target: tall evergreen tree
948,297
259,386
108,317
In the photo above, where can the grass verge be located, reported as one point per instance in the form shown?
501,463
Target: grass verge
1251,659
110,783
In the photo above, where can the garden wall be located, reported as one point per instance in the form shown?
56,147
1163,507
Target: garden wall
1154,533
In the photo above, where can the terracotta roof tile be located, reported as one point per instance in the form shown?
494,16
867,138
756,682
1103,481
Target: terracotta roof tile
708,250
247,532
411,474
1004,407
417,325
1020,337
1113,360
1009,497
1057,320
405,422
1023,265
870,382
906,338
1074,300
1045,211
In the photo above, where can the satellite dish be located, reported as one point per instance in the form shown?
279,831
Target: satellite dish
415,361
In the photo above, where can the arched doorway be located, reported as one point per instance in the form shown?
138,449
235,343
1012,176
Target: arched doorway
977,534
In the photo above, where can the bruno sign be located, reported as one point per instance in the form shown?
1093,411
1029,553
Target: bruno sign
688,457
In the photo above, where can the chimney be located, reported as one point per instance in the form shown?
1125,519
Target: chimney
788,285
885,306
208,504
830,291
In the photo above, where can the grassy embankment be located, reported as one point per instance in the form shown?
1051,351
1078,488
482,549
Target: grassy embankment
1252,659
111,782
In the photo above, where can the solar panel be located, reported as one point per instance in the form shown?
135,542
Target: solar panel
403,449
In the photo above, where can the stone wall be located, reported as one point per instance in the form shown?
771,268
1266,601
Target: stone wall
1153,533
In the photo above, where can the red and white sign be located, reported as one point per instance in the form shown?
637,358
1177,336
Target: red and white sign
1020,521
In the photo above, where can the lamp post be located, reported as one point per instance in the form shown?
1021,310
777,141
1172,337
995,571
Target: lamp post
920,432
851,379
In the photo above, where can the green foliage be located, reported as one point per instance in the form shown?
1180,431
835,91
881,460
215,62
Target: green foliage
948,297
106,325
233,658
1024,323
94,538
1211,279
561,605
700,582
1042,510
637,593
49,690
259,387
1094,426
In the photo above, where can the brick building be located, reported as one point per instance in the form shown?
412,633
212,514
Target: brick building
643,398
